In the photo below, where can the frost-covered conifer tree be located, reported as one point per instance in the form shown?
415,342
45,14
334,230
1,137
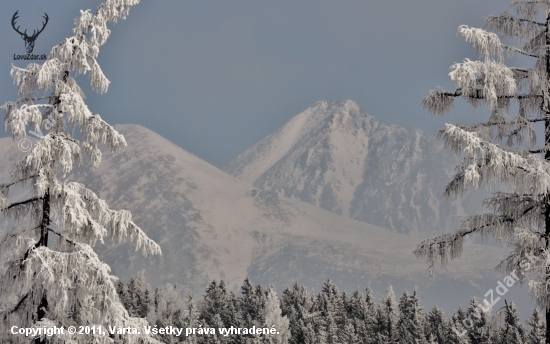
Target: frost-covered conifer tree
136,296
388,318
191,320
536,335
504,148
455,328
169,311
513,331
50,275
300,309
273,317
479,322
436,324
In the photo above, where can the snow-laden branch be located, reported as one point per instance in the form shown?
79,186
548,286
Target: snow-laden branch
512,49
99,82
522,174
537,44
539,283
52,154
530,10
447,247
17,204
440,102
512,26
516,129
441,249
18,118
496,79
20,210
487,43
87,218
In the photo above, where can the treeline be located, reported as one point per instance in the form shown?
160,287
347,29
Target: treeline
331,317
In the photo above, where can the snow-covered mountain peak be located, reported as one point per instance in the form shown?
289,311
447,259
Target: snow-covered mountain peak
337,157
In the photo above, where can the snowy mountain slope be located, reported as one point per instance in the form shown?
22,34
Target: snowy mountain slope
211,226
336,156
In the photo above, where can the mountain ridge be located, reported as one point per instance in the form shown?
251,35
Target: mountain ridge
338,157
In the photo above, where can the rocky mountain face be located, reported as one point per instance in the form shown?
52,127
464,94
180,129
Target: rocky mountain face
335,156
211,225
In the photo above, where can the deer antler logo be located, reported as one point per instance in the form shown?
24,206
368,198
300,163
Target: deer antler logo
29,40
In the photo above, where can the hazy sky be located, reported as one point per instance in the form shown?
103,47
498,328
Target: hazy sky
215,77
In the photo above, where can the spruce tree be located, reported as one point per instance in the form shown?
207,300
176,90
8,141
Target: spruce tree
410,323
169,311
455,332
273,317
51,275
308,333
138,296
191,320
381,334
436,324
217,302
251,304
328,320
216,322
504,148
299,306
513,331
348,335
388,318
478,331
536,335
361,313
370,318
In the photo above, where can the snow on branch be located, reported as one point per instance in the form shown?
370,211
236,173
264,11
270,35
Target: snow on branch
441,249
18,118
78,206
539,283
528,174
18,209
531,9
512,26
112,10
3,197
514,130
537,44
51,154
26,79
487,43
447,247
490,78
439,102
94,130
512,49
99,82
